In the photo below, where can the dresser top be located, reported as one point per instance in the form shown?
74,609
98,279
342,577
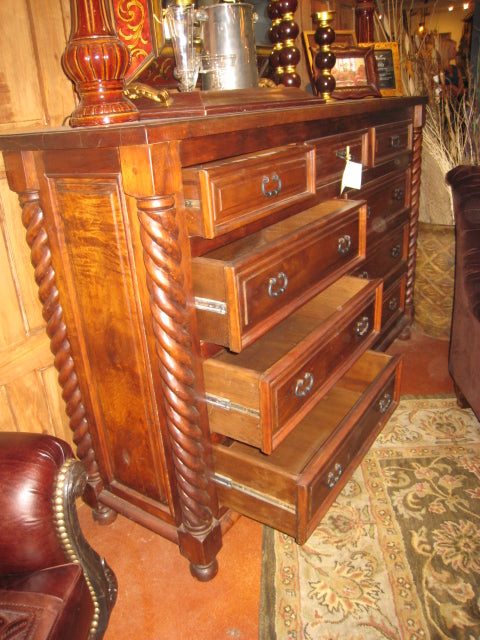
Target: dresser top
210,113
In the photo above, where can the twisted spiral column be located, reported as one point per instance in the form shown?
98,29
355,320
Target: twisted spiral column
37,239
414,213
165,280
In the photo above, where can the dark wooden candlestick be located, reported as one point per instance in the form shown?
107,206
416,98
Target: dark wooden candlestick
96,61
282,34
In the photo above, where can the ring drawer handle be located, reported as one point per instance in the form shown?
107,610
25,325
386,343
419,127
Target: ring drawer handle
396,251
281,280
362,326
384,403
364,275
344,155
344,244
273,192
369,212
393,304
395,142
304,385
334,476
398,194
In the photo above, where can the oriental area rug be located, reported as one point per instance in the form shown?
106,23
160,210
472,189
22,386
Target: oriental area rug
397,556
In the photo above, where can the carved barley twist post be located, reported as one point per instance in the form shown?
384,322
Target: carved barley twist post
414,213
164,241
37,239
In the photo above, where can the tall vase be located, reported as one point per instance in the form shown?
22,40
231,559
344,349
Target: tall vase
96,61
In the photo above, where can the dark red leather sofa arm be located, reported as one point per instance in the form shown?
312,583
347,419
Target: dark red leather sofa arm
464,355
50,577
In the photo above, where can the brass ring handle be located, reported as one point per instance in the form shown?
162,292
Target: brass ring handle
393,304
273,192
369,212
362,326
334,476
281,280
395,142
304,385
398,194
364,275
343,155
384,403
344,244
396,251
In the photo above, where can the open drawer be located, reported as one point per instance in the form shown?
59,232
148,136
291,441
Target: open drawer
291,489
246,287
224,195
259,395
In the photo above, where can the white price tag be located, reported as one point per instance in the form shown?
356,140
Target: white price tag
352,176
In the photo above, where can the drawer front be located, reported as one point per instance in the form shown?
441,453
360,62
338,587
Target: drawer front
329,482
226,195
259,396
387,203
271,273
331,154
390,140
293,393
393,304
292,489
388,257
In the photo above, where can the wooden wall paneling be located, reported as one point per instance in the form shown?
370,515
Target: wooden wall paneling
7,419
19,256
34,91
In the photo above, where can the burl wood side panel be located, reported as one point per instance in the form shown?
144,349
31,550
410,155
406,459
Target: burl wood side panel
102,301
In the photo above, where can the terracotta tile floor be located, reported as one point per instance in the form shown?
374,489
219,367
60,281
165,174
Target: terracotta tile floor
159,600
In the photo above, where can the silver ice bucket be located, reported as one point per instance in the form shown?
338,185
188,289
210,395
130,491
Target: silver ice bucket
229,59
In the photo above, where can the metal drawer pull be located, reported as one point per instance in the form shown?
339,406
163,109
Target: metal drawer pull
362,326
304,385
396,251
369,212
344,244
395,142
393,304
282,280
384,403
334,476
273,192
364,275
398,194
345,154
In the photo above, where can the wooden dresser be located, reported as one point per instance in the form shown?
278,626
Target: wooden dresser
217,313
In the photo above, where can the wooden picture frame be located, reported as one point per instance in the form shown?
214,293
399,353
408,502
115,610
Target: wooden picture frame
353,57
355,73
388,67
345,38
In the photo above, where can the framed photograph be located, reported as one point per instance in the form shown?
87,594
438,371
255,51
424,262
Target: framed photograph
388,68
355,69
355,73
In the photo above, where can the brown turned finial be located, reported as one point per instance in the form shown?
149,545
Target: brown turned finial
96,61
364,20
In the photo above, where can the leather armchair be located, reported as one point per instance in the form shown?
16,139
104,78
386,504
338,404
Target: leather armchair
52,583
464,355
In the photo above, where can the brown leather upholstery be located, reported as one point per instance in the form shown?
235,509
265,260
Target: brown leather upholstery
45,591
464,356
